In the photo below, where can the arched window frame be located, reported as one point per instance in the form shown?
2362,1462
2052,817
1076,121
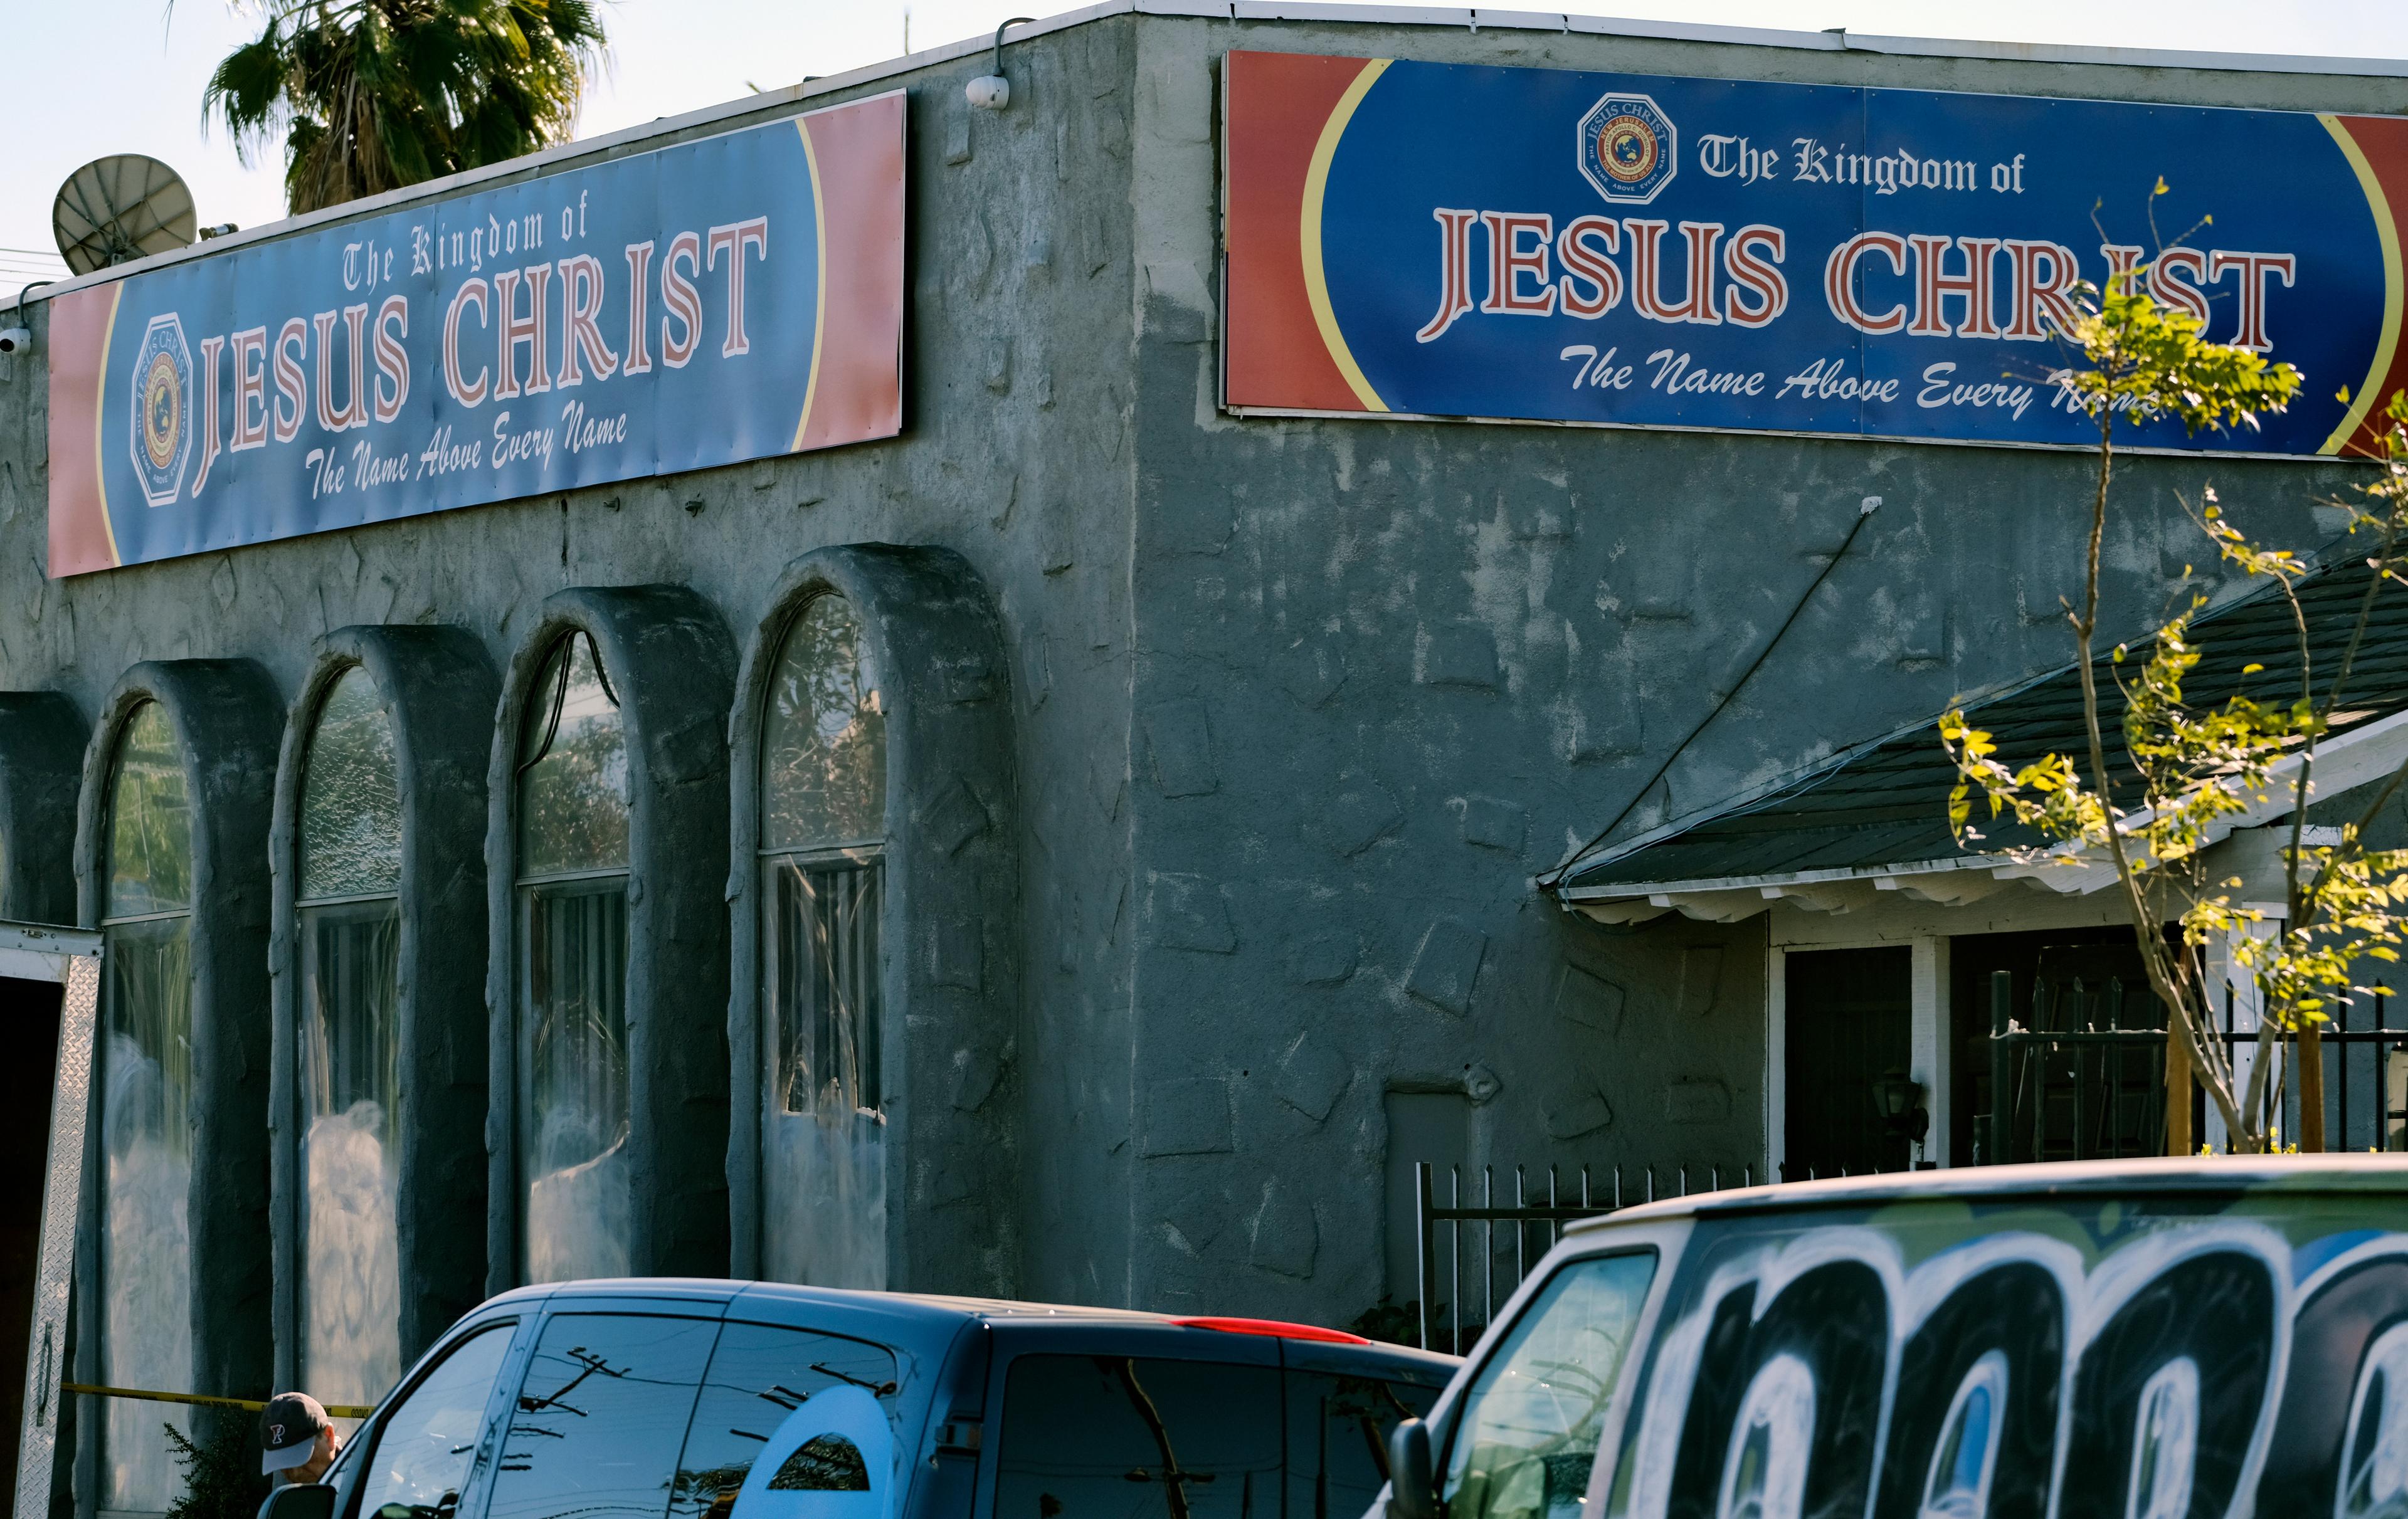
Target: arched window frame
575,906
949,940
667,657
835,882
438,690
41,744
224,714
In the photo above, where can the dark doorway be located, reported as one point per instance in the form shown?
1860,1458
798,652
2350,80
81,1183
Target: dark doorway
29,1060
2073,1101
1847,1023
1435,1127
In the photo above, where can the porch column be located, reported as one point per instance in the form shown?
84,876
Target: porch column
1930,1064
2242,990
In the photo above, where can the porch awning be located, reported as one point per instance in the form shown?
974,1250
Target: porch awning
1875,818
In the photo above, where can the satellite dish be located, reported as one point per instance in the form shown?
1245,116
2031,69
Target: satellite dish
115,209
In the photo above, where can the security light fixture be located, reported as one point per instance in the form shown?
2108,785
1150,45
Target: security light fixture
991,90
1895,1097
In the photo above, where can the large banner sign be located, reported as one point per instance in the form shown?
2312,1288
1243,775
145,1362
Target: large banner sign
722,300
1542,245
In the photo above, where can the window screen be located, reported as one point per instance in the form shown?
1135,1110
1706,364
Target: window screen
147,1113
573,1080
823,818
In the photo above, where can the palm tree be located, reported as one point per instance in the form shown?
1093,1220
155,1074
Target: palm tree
374,95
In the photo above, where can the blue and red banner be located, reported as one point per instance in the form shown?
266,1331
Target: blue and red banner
725,299
1539,245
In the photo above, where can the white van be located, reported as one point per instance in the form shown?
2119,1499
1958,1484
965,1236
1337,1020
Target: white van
2208,1338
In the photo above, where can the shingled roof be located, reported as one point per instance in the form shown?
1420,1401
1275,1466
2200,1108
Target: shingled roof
1875,817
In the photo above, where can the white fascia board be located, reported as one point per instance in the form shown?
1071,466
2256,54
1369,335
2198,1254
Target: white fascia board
1622,890
2039,53
1322,11
1837,39
2342,763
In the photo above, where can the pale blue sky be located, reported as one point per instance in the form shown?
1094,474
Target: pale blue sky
95,77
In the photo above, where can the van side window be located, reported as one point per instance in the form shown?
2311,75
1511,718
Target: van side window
760,1374
1529,1428
1110,1437
429,1440
600,1416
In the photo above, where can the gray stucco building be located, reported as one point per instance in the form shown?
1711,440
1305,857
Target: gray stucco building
1173,873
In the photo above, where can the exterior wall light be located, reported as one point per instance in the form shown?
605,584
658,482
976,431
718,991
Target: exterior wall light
991,90
1895,1097
17,337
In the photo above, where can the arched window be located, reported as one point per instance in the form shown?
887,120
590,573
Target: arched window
573,1099
822,826
147,1109
348,917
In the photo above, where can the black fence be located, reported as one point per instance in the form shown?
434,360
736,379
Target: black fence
2084,1079
1507,1236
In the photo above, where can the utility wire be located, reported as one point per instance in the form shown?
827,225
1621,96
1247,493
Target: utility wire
1864,513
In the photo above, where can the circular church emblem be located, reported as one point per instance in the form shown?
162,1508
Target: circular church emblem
1626,146
1628,149
162,411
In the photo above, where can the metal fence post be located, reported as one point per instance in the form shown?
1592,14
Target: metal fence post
1426,1230
2002,999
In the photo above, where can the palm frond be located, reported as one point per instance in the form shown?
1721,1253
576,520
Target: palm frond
371,96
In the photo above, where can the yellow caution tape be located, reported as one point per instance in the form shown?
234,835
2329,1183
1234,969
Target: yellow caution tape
339,1410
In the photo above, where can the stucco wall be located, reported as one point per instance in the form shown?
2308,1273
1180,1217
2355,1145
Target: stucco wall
1389,671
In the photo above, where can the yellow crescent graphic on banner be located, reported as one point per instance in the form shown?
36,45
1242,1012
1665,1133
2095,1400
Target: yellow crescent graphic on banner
99,403
2389,344
1316,283
818,308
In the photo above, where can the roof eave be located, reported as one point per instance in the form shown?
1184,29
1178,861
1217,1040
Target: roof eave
2341,764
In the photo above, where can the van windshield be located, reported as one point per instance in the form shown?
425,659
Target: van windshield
1107,1437
1530,1426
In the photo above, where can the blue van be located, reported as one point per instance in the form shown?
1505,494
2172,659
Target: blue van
691,1400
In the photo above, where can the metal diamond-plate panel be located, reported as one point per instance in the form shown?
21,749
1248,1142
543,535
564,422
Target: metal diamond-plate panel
45,1360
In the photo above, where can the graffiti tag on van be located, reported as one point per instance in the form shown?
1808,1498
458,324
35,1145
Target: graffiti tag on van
2193,1372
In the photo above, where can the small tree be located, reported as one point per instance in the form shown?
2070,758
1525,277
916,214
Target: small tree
2189,769
222,1478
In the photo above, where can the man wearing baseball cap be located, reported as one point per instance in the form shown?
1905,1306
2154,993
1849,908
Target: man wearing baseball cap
296,1442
